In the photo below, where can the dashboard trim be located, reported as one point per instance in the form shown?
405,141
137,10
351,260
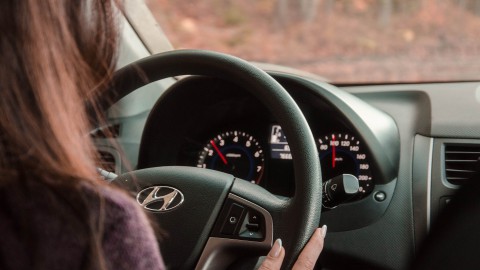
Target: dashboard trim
429,183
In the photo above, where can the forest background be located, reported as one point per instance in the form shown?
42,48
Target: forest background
345,41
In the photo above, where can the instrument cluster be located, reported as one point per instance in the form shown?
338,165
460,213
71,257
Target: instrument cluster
226,129
238,153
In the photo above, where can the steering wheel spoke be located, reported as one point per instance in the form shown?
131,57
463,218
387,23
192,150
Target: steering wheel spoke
243,229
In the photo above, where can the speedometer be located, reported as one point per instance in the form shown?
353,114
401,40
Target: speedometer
342,153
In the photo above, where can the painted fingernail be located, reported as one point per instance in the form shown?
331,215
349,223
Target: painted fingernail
324,230
277,247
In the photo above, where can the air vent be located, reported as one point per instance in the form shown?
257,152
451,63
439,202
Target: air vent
111,131
461,162
107,161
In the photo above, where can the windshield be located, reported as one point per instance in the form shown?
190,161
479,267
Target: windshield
345,41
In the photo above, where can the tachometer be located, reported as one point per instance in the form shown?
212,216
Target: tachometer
234,152
342,153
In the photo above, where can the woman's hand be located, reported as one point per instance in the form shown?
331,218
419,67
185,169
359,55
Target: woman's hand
307,258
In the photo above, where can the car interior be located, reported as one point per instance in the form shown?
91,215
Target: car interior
376,162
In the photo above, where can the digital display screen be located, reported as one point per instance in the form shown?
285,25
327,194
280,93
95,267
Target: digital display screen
278,144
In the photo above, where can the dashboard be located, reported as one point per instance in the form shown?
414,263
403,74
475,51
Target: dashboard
403,130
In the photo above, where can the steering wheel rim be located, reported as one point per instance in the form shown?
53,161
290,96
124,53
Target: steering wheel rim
302,211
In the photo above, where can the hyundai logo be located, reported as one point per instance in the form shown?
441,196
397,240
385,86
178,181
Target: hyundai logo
160,198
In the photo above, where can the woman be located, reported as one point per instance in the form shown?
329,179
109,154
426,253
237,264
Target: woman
57,56
56,213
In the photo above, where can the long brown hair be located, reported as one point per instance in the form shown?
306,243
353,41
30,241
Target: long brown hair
55,58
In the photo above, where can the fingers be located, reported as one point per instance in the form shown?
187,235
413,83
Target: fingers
274,259
309,255
307,259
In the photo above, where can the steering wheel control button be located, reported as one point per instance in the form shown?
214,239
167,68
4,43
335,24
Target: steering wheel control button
234,215
251,235
238,221
380,196
254,217
254,221
253,227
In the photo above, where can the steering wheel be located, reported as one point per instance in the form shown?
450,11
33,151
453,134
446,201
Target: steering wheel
211,218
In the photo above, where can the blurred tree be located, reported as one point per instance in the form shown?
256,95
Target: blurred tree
477,8
288,11
281,16
309,9
386,11
328,6
462,3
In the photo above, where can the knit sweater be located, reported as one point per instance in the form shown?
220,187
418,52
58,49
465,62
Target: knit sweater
46,238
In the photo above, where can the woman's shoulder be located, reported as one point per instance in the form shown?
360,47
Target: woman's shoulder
129,240
116,206
119,201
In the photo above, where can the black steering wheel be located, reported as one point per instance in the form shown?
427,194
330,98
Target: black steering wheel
211,218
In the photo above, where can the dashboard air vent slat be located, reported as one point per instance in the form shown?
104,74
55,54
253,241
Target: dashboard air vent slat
461,162
107,161
105,132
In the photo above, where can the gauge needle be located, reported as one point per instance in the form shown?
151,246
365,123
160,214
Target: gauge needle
333,151
218,152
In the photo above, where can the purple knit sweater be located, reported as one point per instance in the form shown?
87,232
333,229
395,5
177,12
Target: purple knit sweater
47,239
